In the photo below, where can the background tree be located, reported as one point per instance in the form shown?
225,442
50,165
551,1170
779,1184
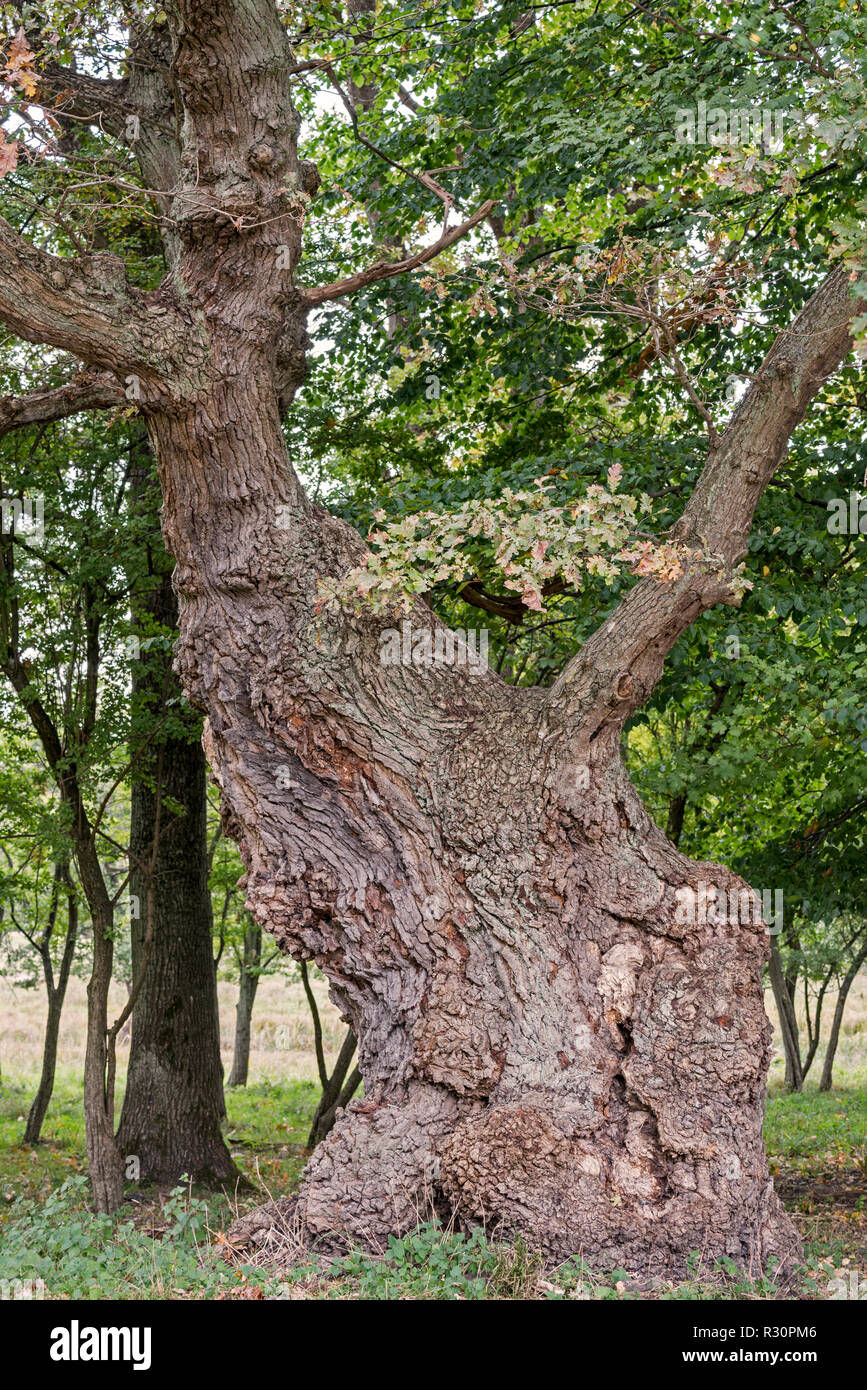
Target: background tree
38,902
96,558
173,1105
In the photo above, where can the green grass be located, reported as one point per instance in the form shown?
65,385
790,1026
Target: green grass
36,1172
266,1130
433,1263
164,1245
815,1126
78,1255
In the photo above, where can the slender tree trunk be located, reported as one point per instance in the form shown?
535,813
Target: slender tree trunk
56,995
827,1076
814,1025
337,1090
104,1164
39,1106
173,1107
247,987
794,1079
676,812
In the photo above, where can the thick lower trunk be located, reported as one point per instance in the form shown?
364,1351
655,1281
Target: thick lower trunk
579,1067
546,1047
173,1106
247,987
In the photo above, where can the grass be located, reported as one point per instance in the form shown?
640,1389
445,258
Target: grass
60,1245
817,1129
267,1128
171,1244
162,1244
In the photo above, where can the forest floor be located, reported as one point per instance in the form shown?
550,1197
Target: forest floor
173,1245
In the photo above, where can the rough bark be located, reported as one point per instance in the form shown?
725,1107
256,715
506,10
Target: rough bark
546,1046
87,392
543,1045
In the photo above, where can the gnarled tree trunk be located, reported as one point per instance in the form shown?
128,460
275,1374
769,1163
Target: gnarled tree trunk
544,1046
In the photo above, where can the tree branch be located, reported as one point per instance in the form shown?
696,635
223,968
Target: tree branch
85,305
81,304
383,270
617,668
85,392
101,101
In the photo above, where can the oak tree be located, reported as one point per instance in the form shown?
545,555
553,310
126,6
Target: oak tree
546,1040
